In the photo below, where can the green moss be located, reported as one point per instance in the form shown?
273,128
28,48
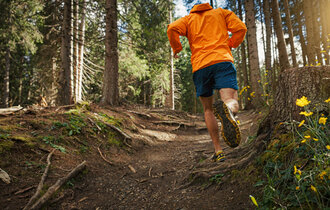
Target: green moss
247,175
113,140
7,128
6,145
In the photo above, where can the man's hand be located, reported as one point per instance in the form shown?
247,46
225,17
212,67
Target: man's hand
176,55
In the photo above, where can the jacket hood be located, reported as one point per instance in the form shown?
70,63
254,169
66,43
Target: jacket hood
201,7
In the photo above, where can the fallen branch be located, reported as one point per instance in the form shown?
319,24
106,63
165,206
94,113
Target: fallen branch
41,183
10,110
57,185
101,154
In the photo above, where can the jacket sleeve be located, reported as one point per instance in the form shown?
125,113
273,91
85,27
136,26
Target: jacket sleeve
174,31
236,27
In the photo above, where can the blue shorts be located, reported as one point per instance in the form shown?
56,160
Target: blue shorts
217,76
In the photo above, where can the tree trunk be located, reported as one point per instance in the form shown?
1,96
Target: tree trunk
325,29
81,51
244,69
65,90
5,95
289,25
317,33
172,104
253,54
110,78
301,36
283,55
76,49
311,82
268,54
307,5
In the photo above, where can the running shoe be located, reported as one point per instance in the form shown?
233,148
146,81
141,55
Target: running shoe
229,127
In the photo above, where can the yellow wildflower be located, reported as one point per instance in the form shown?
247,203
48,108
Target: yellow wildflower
328,147
306,64
327,101
299,172
238,122
248,86
249,99
266,74
297,188
301,123
307,114
295,169
323,51
252,94
318,64
323,120
322,174
240,93
312,65
315,139
302,101
259,80
254,201
303,141
266,83
307,137
313,188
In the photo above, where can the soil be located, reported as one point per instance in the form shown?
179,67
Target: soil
150,170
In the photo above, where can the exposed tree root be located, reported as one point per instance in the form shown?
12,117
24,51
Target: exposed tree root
57,185
102,156
237,159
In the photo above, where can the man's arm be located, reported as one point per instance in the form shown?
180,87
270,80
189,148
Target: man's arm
236,27
174,31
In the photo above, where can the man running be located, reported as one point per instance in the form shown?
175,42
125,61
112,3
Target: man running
212,61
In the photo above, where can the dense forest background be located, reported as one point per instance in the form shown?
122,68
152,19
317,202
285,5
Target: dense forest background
62,51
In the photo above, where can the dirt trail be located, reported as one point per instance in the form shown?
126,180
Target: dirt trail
153,175
160,172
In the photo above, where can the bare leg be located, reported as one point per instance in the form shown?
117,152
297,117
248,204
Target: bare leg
211,122
229,97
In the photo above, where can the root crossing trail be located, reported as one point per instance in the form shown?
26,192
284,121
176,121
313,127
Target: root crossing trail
156,175
159,159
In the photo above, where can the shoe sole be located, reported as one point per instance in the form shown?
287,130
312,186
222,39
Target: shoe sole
229,128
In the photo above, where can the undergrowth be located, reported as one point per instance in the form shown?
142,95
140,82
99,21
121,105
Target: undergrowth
296,165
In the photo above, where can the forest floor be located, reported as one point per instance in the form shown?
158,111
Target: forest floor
149,170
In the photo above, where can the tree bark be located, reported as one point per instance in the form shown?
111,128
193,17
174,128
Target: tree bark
289,25
110,79
325,29
81,51
172,104
301,35
253,54
317,32
307,5
5,95
76,50
311,82
243,61
283,55
268,54
65,90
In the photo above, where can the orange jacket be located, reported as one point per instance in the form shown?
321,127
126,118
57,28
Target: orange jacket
207,32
